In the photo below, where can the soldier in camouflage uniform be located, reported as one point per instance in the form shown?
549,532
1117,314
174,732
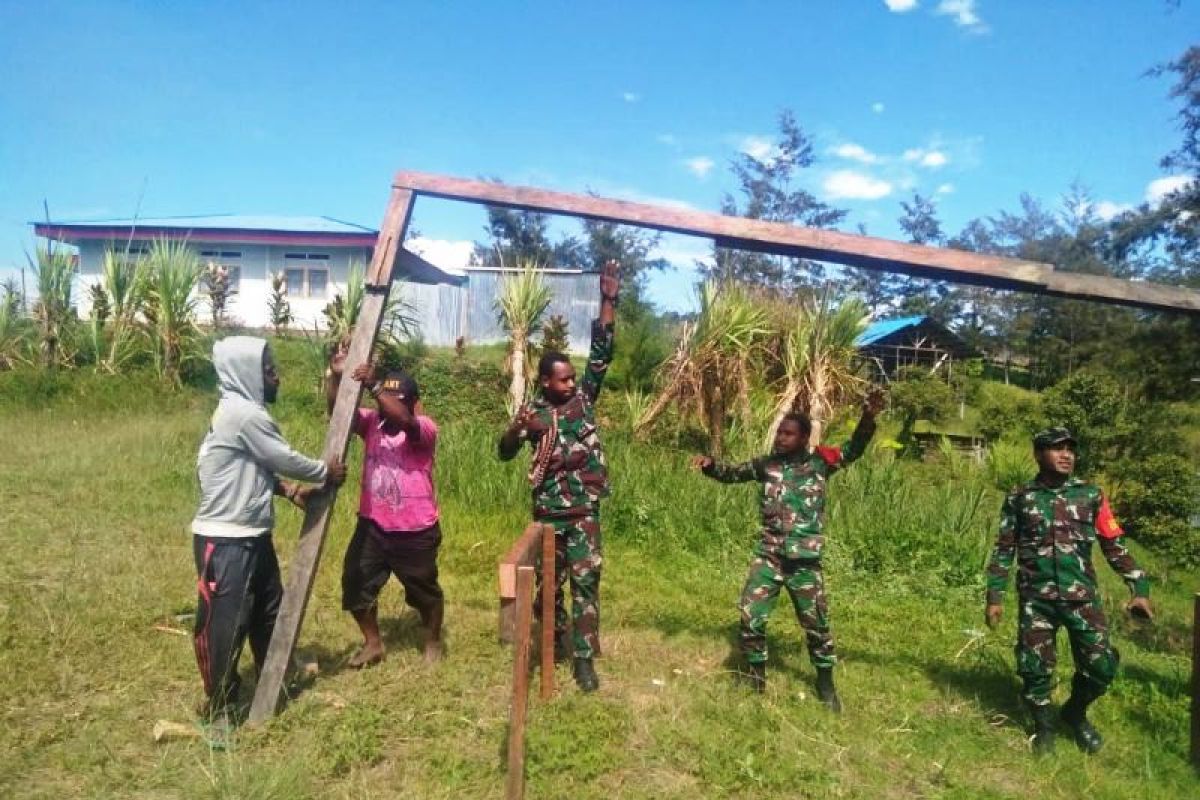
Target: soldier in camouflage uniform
788,553
569,477
1049,525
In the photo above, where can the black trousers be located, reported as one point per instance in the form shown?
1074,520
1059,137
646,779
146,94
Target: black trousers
373,555
239,595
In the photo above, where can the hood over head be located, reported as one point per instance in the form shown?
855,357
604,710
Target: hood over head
239,364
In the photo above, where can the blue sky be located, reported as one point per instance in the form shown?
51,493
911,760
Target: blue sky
308,108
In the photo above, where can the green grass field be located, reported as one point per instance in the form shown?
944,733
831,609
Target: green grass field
96,592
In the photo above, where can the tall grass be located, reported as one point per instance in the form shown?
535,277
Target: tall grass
54,312
173,275
126,282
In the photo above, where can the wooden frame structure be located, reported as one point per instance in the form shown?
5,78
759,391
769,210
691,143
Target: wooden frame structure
733,232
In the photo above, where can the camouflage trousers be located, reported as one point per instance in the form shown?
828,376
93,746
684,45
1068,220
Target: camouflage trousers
1037,631
577,557
805,583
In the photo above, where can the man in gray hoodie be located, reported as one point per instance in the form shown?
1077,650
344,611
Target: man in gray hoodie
241,465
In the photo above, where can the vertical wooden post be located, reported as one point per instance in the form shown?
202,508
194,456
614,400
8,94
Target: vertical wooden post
515,780
1196,682
548,570
320,506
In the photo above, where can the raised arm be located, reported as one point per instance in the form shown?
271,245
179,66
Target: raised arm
729,473
510,441
394,407
601,352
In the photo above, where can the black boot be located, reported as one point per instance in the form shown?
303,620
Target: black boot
1074,713
826,692
585,675
562,647
1043,729
755,676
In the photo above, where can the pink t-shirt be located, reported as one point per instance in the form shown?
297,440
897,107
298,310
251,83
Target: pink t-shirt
397,483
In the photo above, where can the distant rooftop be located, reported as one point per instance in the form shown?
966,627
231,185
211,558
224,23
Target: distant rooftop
883,328
263,228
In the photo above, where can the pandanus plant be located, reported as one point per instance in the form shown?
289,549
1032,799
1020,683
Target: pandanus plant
53,313
708,377
124,282
173,273
816,357
523,299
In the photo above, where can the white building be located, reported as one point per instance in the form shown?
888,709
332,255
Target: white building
314,253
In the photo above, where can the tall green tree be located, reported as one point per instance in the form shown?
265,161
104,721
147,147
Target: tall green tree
933,298
769,191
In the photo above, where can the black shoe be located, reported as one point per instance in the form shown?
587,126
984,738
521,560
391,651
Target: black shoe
755,677
826,692
585,675
1074,713
1043,729
562,647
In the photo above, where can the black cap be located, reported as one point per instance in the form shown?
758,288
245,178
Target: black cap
400,383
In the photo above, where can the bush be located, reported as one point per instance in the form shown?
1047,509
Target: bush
1156,501
1092,406
1009,410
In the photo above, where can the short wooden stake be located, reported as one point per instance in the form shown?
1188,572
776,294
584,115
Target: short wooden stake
548,577
514,785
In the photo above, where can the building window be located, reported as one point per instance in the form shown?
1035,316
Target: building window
307,281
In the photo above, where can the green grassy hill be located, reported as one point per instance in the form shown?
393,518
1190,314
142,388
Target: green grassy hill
97,585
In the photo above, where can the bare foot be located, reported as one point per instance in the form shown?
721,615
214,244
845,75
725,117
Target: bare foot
433,651
367,655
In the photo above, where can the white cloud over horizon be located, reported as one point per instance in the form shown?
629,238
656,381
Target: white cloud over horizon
451,255
933,159
900,6
847,184
855,152
700,166
1159,188
964,14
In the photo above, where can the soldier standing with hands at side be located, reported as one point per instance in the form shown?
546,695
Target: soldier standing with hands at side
1049,526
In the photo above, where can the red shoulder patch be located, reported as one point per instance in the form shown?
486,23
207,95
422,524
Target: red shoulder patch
1106,524
830,455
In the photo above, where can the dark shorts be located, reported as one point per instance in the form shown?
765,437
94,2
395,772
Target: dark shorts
374,555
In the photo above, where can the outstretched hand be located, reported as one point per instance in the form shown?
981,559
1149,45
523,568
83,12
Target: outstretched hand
1139,608
610,280
522,420
702,462
875,402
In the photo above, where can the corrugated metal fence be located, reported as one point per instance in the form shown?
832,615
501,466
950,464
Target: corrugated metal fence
445,312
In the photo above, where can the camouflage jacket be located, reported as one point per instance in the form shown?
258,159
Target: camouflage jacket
575,475
1050,531
793,493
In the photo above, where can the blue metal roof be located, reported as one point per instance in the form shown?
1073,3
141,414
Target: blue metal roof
882,328
246,222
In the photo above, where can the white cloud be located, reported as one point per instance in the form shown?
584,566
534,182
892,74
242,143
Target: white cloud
849,185
934,159
450,255
877,108
699,166
667,139
1107,209
945,188
964,14
855,152
759,147
630,97
1159,188
900,6
926,158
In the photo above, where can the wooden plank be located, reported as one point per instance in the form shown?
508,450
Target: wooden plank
303,568
777,238
1196,682
548,565
515,780
522,551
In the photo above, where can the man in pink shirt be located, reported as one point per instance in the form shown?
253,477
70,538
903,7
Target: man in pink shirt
397,532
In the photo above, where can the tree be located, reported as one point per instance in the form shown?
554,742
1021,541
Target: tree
515,237
523,299
922,295
767,185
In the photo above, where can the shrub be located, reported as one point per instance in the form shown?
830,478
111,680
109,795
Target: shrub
1092,406
1008,410
1157,499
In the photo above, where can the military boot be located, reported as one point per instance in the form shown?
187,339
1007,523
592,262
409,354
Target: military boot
1043,729
826,692
755,676
1074,713
562,647
585,675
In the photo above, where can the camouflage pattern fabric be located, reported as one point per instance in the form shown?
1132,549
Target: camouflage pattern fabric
1038,623
805,584
792,505
575,477
577,556
1050,532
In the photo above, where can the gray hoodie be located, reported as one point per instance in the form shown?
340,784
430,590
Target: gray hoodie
243,451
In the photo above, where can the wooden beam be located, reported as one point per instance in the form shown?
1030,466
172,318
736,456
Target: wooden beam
1196,682
514,785
776,238
522,553
548,570
303,567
